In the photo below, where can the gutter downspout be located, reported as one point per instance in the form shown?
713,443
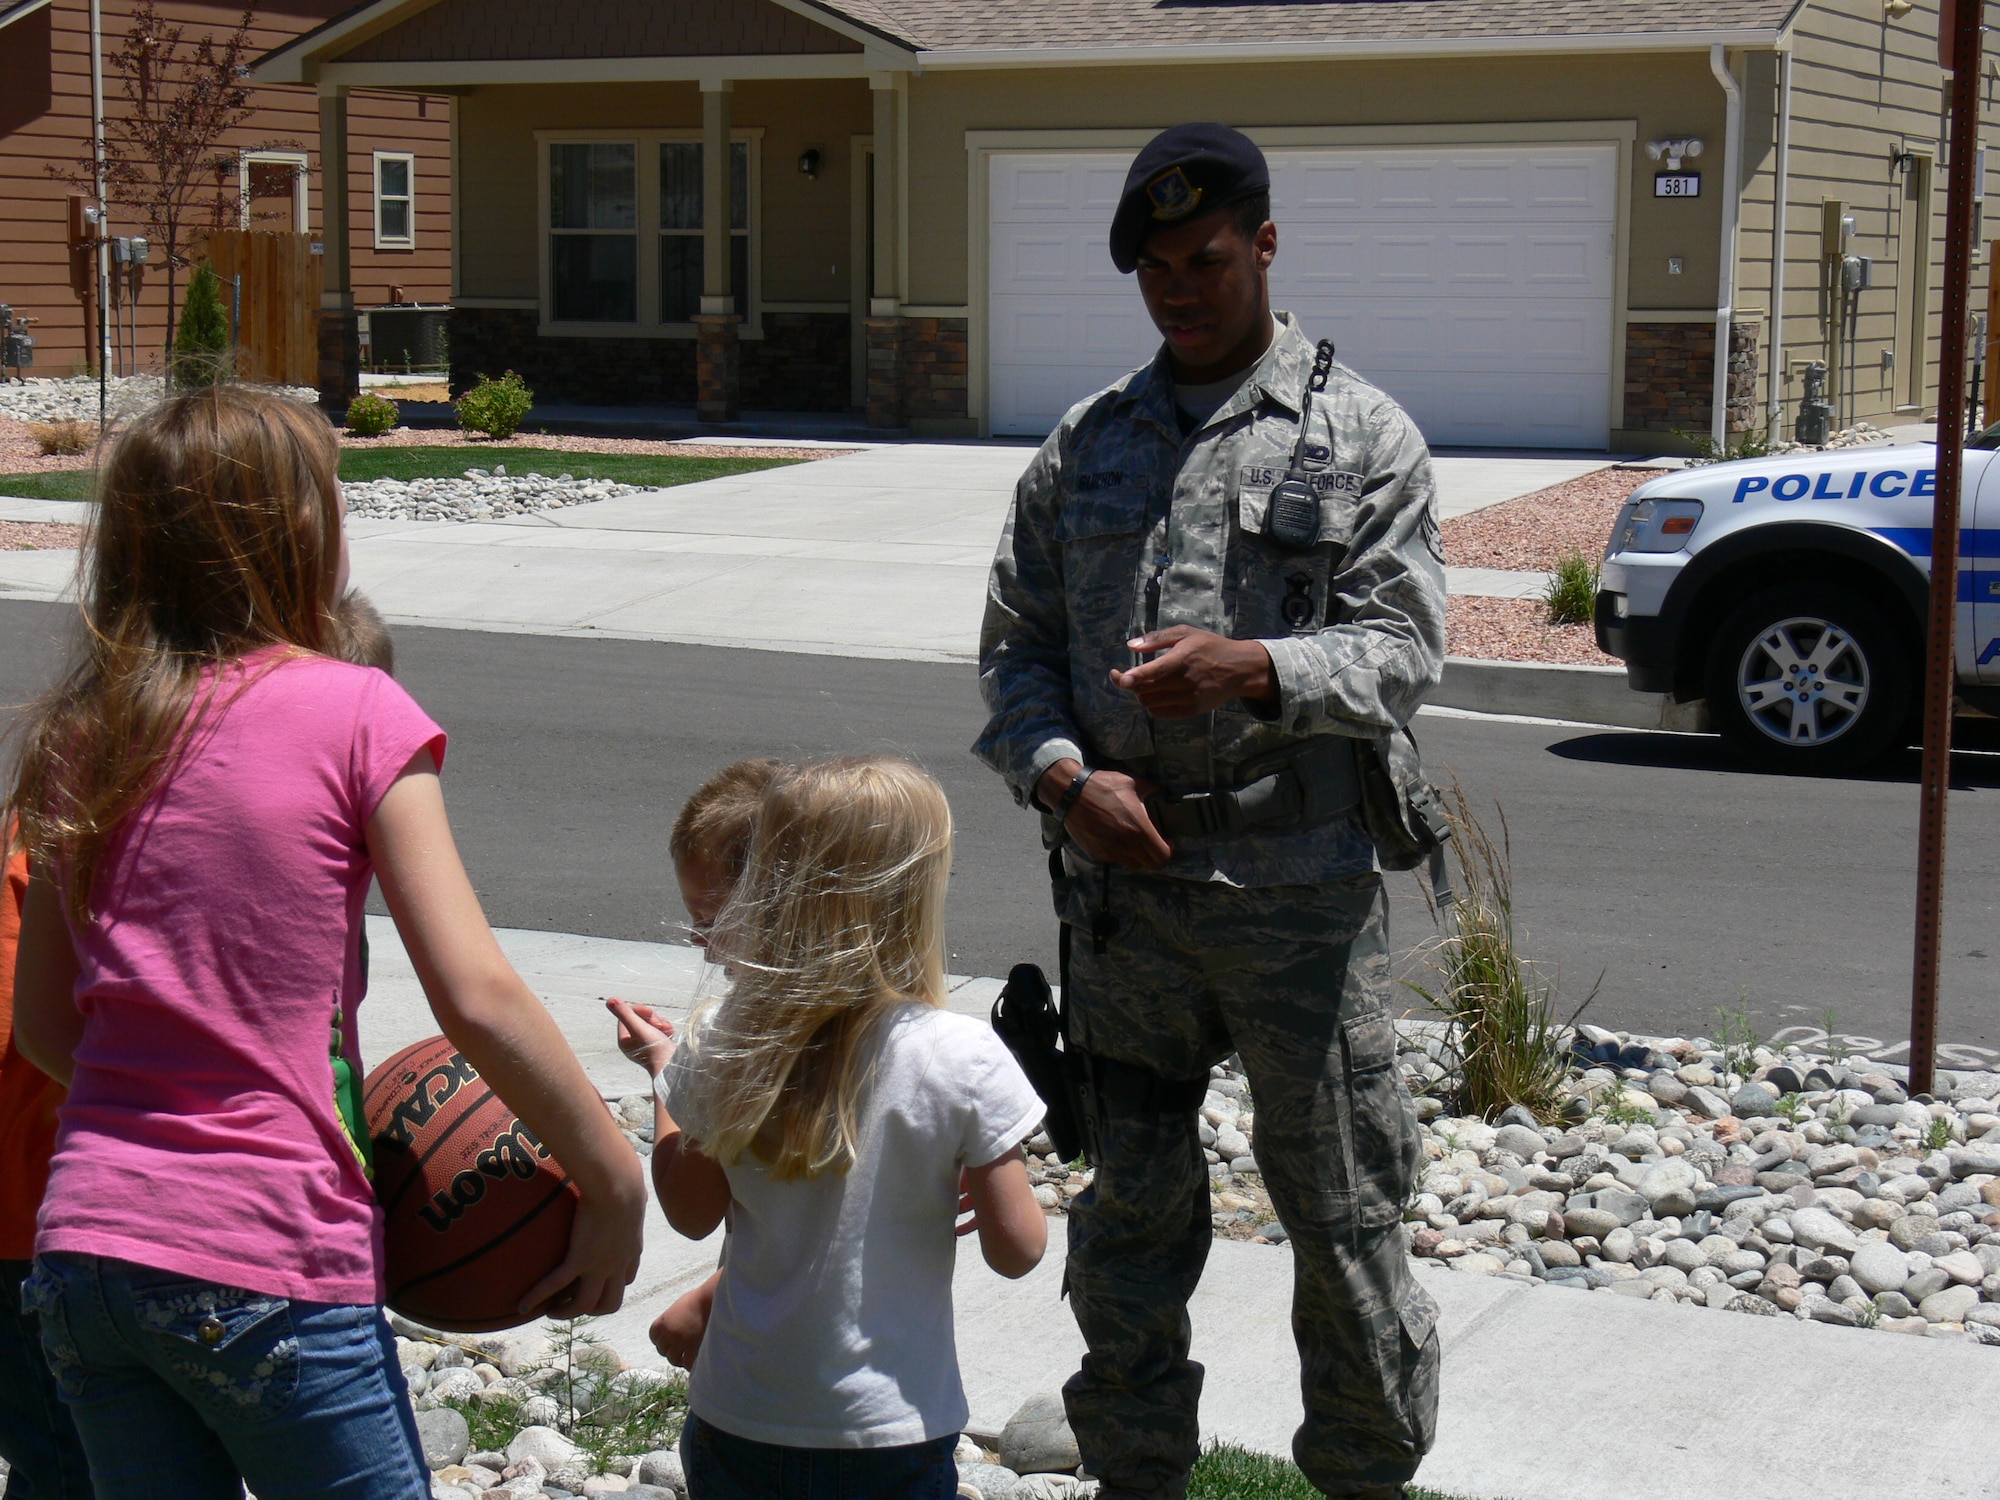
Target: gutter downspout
1725,290
1781,206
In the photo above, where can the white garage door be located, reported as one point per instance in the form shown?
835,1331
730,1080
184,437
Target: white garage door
1474,284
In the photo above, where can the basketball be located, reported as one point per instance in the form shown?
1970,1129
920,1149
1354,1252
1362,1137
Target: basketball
475,1209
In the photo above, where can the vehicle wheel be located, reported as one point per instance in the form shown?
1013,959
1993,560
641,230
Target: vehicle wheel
1808,678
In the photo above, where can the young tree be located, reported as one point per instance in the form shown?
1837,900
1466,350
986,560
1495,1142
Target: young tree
164,159
201,353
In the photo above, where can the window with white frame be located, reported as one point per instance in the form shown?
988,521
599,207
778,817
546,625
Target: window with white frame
599,265
395,200
271,190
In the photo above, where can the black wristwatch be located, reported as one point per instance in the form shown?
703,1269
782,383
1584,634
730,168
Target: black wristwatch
1071,793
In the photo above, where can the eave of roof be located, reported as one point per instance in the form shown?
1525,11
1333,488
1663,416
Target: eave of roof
292,62
947,59
9,14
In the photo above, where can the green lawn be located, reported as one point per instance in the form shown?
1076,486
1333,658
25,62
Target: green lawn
1226,1472
444,463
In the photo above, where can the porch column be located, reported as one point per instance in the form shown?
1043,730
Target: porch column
339,327
884,324
717,327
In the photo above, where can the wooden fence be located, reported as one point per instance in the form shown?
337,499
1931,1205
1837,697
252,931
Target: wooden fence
277,318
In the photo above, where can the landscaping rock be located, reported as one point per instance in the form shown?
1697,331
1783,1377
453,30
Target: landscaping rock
1037,1438
662,1467
1880,1267
991,1480
542,1445
445,1437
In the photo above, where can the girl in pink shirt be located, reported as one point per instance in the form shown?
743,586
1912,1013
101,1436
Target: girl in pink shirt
205,797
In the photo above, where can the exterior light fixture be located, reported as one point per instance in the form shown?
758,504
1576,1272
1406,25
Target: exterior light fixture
809,161
1674,151
1895,10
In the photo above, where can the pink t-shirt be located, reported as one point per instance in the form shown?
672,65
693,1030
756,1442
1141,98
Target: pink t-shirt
200,1135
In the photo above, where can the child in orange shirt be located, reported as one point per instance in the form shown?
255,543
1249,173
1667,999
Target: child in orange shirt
37,1437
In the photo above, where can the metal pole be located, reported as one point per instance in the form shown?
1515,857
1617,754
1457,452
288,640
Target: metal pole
1940,662
103,212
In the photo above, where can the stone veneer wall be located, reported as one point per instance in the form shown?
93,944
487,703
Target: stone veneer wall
934,368
1670,376
801,363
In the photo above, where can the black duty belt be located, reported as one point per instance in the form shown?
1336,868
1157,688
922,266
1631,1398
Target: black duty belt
1303,788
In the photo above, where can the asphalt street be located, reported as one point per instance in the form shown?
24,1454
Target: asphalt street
1641,858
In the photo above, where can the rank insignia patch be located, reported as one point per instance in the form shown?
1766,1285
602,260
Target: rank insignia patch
1174,197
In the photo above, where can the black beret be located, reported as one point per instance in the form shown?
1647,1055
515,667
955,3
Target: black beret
1184,171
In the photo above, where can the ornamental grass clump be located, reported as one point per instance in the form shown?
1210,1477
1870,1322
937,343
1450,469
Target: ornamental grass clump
66,438
1572,592
1502,1041
495,407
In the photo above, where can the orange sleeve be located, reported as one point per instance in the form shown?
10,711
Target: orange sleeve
29,1098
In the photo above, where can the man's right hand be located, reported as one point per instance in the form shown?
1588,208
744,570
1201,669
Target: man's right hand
1109,823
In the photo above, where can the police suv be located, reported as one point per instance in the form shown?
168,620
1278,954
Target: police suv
1790,593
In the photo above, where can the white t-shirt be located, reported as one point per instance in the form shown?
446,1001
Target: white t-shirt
832,1325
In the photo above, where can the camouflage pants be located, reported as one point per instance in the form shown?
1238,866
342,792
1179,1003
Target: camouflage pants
1295,979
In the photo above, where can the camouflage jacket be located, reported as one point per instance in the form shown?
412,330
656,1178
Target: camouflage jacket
1120,525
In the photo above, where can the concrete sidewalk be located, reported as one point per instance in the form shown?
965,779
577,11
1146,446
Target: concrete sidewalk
881,552
1547,1394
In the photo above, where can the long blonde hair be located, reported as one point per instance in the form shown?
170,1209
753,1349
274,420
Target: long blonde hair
838,919
217,531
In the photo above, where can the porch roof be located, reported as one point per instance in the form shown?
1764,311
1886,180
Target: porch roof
924,35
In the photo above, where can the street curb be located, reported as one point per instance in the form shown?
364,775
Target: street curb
1544,690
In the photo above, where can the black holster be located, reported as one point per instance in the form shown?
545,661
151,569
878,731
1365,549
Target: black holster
1078,1086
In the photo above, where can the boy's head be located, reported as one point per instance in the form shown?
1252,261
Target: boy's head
363,637
711,838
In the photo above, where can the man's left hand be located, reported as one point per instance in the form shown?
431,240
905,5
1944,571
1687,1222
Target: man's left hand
1196,672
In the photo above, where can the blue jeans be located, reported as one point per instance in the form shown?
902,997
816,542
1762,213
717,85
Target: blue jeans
186,1390
37,1438
722,1466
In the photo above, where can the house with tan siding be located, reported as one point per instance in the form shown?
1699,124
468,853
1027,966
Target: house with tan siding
1532,221
397,171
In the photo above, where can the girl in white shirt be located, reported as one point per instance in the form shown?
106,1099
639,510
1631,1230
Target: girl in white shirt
840,1118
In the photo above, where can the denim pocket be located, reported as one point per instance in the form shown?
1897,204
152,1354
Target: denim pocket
232,1352
42,1300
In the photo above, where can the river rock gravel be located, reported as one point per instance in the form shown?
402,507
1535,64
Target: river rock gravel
1772,1183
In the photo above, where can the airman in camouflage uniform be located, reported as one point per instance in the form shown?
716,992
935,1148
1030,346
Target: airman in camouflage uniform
1197,924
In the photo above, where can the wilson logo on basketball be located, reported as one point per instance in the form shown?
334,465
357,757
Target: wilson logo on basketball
427,1095
515,1152
444,1142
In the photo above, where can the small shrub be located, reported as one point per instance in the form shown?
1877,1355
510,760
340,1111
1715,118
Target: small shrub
1938,1136
1708,451
1501,1027
370,415
495,407
201,354
1572,591
68,438
1621,1108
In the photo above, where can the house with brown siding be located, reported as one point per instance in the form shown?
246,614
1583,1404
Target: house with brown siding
1533,221
397,169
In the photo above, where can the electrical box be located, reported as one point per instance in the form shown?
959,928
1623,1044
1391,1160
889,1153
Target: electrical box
1831,214
1857,273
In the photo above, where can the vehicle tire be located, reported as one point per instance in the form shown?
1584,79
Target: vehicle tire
1809,677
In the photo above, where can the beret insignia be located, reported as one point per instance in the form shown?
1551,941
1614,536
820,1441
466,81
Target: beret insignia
1173,196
